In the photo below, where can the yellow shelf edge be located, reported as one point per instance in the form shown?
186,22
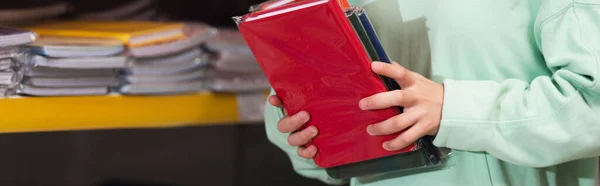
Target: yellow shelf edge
38,114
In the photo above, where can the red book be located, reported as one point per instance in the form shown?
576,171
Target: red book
315,62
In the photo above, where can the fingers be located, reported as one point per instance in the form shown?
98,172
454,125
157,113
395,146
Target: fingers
275,101
406,138
393,125
386,100
293,123
394,71
308,152
302,137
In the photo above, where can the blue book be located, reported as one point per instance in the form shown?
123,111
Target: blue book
368,28
364,19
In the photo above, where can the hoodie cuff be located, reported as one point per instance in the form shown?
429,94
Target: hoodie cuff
465,114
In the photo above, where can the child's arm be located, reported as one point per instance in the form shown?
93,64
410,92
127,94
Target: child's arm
547,121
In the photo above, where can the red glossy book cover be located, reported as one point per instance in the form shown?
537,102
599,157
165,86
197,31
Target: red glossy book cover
315,62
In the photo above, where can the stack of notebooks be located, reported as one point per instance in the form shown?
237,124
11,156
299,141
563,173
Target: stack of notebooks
71,66
316,55
176,66
234,68
99,57
11,57
151,57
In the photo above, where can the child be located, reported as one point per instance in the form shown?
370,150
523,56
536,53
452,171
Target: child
515,92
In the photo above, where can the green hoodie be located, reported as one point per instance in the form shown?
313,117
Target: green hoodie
522,92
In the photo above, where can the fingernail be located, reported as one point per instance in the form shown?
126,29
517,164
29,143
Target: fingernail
362,104
312,149
375,65
303,116
370,130
386,146
313,131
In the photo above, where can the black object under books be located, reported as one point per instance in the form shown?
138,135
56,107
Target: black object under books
427,156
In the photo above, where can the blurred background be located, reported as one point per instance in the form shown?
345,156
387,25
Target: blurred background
229,155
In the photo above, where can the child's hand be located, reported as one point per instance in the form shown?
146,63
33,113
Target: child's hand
422,101
291,124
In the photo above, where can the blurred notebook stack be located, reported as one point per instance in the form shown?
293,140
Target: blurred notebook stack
177,73
175,66
234,68
160,57
72,66
11,56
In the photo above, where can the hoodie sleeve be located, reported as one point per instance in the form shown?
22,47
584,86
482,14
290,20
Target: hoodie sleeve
547,121
304,167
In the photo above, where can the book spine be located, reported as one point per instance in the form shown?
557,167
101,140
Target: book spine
362,34
375,44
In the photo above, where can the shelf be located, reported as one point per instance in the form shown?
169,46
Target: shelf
37,114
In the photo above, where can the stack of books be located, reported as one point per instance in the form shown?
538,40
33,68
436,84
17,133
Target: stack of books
176,66
317,55
100,57
71,66
11,56
149,57
233,66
